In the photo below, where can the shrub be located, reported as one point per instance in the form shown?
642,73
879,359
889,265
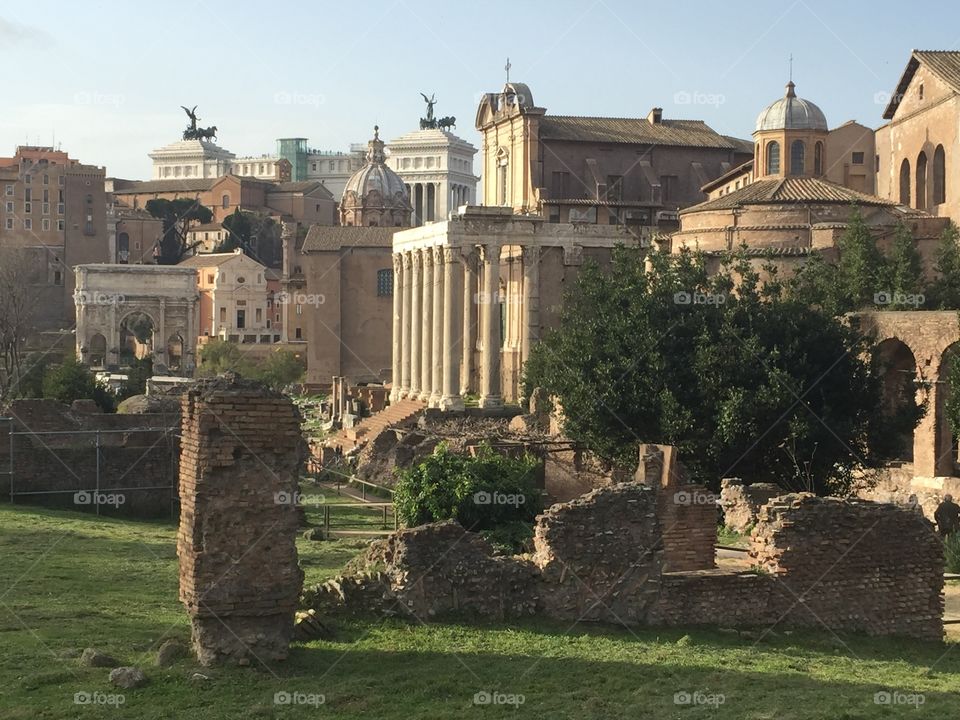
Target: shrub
485,492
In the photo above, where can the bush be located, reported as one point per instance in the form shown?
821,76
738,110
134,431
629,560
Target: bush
486,492
71,380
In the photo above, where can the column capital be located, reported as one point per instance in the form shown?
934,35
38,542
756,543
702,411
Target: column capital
439,256
531,253
398,261
417,258
451,254
407,259
426,256
490,251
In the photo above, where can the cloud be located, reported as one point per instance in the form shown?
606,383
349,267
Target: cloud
14,33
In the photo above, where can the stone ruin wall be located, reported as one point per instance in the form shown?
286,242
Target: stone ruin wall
741,503
239,471
825,562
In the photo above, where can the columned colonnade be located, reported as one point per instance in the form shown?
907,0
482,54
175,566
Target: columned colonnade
447,304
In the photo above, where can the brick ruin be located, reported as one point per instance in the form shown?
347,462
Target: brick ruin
741,503
611,556
241,452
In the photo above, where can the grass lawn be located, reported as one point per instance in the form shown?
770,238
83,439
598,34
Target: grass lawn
69,581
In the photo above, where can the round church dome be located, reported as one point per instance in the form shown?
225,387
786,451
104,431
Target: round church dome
375,192
791,113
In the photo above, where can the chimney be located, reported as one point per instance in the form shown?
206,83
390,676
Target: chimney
655,116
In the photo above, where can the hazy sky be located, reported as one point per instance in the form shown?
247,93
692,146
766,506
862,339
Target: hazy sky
107,79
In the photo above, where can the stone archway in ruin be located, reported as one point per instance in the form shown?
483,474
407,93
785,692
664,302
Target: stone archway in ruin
928,335
175,352
98,350
899,383
137,331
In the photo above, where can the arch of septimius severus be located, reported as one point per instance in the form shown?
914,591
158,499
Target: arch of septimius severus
472,295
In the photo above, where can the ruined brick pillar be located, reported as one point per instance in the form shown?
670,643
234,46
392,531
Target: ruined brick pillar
241,452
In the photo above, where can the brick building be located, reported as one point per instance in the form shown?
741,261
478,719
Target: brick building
53,209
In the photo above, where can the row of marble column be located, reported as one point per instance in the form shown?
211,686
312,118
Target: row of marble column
440,293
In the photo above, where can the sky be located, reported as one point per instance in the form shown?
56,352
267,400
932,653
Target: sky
105,80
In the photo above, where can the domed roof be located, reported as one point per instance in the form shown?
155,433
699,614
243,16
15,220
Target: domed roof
791,113
375,176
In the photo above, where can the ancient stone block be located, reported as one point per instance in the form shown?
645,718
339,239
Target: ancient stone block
741,502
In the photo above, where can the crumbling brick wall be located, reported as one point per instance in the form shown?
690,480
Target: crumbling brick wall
687,511
741,502
852,565
239,467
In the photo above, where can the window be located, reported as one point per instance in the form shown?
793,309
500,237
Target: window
26,179
614,188
45,225
60,225
818,159
258,314
225,202
9,190
905,182
920,91
331,166
57,277
27,195
59,208
298,334
241,319
921,181
210,278
60,180
773,158
223,315
797,151
385,283
939,176
46,208
46,180
857,158
10,206
9,223
28,224
299,309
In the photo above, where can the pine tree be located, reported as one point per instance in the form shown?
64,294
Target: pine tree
904,268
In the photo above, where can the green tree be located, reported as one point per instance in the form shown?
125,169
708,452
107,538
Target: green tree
177,216
743,381
861,269
71,380
944,291
220,356
239,228
904,268
139,372
280,369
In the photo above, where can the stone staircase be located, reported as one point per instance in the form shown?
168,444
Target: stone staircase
394,414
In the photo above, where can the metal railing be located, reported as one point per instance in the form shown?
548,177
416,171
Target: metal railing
166,433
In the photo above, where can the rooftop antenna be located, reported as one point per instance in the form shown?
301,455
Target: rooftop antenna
507,68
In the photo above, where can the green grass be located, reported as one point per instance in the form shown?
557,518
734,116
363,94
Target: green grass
731,538
70,581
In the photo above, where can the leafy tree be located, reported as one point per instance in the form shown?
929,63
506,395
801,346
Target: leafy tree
861,268
177,216
485,492
220,356
904,268
137,375
280,369
71,380
239,228
744,381
944,291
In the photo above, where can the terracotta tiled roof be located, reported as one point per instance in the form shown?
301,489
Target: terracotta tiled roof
788,190
945,64
322,238
632,131
149,186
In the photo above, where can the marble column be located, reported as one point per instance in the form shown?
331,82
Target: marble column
416,324
452,334
490,396
406,301
426,332
397,337
436,333
531,300
470,294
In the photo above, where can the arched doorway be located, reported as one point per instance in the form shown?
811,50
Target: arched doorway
136,337
97,351
175,352
898,373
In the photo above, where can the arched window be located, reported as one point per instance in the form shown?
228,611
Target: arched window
225,202
921,181
797,151
818,159
939,176
773,158
905,182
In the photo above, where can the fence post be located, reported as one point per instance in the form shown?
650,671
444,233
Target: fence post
10,430
326,522
96,497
